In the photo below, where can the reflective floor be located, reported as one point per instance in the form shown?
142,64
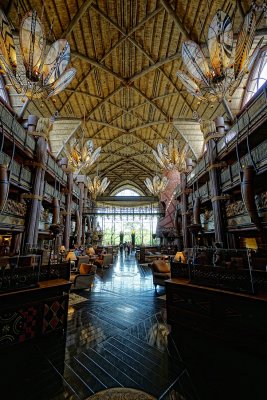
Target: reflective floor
118,337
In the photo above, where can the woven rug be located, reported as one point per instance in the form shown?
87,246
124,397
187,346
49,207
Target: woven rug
76,299
121,394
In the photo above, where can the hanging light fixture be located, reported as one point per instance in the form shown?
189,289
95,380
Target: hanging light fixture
96,187
43,74
81,153
170,156
219,81
157,185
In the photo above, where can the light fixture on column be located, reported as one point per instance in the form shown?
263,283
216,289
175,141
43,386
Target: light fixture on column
171,156
219,81
43,74
157,185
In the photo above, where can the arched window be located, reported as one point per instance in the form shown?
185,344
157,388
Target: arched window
257,77
127,192
3,91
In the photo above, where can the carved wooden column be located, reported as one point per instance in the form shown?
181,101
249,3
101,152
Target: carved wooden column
68,209
80,179
210,132
84,217
185,231
36,197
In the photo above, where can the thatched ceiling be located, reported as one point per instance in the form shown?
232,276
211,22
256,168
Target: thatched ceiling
126,53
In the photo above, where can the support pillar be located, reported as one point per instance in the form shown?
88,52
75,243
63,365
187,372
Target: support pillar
219,228
32,227
80,180
84,218
68,210
185,230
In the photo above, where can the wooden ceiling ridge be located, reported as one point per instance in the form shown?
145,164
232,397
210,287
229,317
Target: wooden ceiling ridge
151,15
130,81
144,52
122,162
81,11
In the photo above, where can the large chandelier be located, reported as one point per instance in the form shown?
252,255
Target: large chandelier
96,187
43,74
171,156
81,153
157,185
219,81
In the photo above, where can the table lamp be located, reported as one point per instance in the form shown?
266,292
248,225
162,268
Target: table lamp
179,257
62,250
72,258
91,251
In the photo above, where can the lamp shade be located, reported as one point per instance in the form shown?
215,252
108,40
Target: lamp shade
179,257
71,256
91,251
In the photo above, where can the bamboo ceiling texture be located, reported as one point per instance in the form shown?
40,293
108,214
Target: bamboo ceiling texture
127,53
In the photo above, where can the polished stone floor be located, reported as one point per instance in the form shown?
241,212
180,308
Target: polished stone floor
118,337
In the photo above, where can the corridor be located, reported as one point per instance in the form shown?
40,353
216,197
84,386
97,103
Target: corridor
117,336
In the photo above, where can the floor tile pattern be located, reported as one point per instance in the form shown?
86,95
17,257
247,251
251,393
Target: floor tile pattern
117,337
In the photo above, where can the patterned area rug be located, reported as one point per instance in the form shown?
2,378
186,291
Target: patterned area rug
76,299
121,394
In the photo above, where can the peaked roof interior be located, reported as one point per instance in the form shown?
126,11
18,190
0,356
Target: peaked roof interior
127,53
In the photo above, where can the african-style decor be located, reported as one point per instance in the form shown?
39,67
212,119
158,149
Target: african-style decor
43,73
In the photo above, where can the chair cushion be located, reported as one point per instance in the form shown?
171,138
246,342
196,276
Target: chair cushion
86,268
160,266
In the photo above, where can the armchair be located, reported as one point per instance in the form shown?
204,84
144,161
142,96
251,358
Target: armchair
85,278
161,271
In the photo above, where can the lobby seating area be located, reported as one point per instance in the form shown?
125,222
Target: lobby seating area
133,200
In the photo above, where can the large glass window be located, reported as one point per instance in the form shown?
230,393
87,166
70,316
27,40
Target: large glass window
258,76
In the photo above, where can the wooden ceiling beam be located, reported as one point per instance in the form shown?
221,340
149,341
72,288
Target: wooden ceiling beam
175,18
154,66
240,7
84,93
81,11
97,64
147,125
101,103
150,101
93,121
138,46
9,6
126,160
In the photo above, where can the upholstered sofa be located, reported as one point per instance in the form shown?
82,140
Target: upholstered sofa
161,272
